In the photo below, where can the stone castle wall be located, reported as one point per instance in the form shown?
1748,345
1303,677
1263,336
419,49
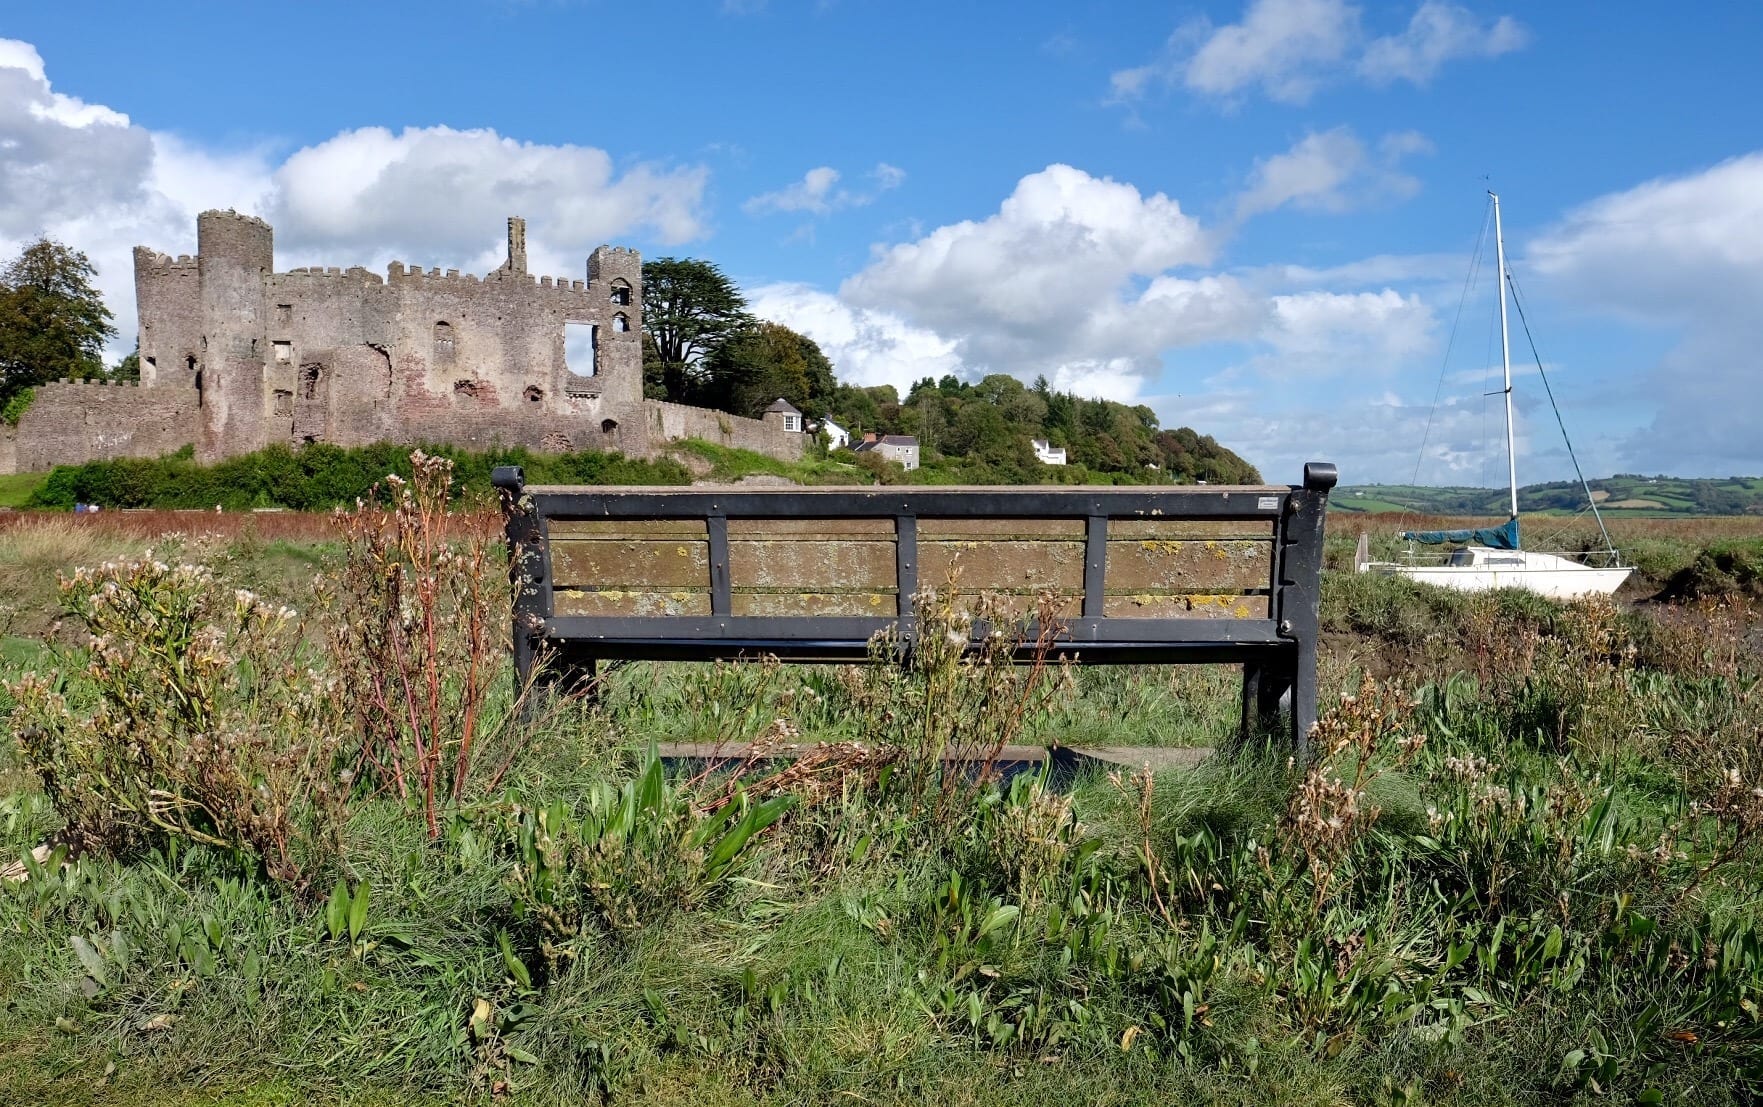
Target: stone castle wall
70,422
236,357
672,421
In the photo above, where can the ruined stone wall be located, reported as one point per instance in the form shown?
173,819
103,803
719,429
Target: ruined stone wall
168,300
247,357
234,253
70,422
669,421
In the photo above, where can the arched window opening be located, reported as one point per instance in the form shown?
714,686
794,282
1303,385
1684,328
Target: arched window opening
621,323
533,394
444,340
621,292
607,426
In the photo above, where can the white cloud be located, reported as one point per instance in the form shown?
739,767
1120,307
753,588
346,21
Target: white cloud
1087,281
1331,171
1438,33
1685,253
87,175
1373,332
867,347
1283,46
1289,49
817,192
429,189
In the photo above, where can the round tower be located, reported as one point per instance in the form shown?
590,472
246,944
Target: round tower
234,253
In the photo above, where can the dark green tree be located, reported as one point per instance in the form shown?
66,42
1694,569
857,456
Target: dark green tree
53,323
763,363
690,307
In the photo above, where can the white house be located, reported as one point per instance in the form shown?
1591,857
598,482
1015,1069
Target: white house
1047,453
837,437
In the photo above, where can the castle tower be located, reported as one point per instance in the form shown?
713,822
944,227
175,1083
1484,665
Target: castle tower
516,262
234,254
616,274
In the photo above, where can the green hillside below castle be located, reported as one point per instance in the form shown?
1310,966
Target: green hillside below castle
1623,495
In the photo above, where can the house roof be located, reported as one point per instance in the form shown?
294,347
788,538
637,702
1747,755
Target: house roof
889,440
784,406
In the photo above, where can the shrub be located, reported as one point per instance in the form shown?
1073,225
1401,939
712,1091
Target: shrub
209,725
419,618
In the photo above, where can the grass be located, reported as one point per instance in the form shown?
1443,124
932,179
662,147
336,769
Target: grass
1554,900
16,488
727,463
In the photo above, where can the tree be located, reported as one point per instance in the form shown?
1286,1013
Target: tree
53,323
766,362
690,307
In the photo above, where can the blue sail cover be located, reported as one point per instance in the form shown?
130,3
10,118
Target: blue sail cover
1502,537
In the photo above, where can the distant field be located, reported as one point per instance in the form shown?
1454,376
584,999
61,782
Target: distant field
1618,496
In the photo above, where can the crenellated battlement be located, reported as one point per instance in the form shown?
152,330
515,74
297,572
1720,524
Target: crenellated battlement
148,260
354,273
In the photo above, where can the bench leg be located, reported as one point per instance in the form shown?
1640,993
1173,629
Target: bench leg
1273,689
1304,694
1251,712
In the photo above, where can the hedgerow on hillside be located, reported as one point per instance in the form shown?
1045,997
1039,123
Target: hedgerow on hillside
320,477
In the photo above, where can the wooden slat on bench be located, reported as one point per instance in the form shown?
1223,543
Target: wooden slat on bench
1015,560
1204,569
812,566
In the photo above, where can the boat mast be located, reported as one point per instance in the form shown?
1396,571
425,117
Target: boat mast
1505,355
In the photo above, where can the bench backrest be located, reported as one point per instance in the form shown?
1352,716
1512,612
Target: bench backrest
1157,573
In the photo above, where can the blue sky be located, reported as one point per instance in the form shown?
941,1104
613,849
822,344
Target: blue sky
1254,217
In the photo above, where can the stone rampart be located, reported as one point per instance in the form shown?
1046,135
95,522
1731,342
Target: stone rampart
672,421
70,422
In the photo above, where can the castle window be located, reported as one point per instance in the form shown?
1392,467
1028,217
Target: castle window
621,292
309,375
284,352
284,314
444,340
198,386
607,426
533,394
284,402
190,362
581,348
621,323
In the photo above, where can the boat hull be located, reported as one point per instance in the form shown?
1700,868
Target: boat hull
1566,581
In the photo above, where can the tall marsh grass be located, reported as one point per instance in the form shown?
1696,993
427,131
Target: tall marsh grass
1523,868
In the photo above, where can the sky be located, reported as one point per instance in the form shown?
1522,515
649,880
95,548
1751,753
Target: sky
1259,219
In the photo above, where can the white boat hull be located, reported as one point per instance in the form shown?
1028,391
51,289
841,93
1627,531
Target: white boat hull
1550,575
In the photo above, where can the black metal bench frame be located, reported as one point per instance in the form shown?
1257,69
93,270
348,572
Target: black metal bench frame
1278,653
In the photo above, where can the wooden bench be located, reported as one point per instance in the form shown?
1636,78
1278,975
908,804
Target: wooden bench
1176,574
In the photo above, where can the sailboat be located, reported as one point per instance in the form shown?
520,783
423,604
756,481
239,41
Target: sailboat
1493,557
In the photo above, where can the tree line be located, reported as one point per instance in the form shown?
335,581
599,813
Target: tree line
703,346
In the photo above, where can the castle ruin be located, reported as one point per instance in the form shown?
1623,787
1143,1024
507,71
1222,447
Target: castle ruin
236,356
